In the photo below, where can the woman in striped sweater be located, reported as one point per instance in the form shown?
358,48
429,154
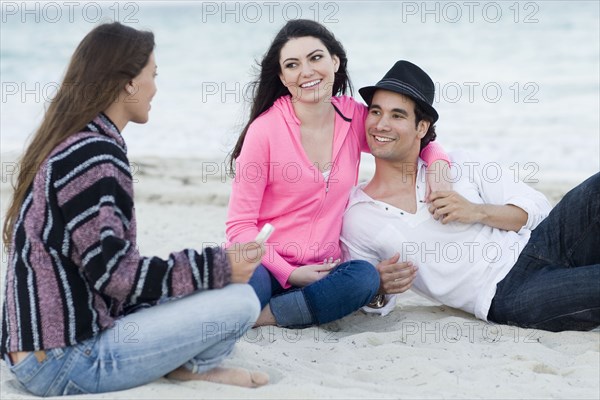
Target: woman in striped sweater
74,270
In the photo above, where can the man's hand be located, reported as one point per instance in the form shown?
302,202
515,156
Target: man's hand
244,258
395,277
307,274
449,206
438,178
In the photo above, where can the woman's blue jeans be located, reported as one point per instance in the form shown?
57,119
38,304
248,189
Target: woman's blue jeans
197,331
344,290
555,283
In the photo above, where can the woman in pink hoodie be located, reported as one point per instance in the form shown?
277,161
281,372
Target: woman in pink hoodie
295,163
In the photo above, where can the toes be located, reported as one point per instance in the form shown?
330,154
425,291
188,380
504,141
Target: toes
259,378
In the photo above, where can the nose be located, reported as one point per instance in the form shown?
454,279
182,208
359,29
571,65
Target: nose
382,124
307,70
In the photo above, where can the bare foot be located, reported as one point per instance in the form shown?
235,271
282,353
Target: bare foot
265,318
226,376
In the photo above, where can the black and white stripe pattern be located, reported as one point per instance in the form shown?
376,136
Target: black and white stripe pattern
86,250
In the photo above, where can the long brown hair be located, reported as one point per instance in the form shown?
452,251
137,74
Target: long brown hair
107,58
268,87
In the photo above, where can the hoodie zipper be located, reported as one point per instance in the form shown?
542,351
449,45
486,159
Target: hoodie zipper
333,162
318,214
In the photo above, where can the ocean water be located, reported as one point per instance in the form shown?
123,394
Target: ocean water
518,81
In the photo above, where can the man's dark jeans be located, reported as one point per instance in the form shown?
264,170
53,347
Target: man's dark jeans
555,283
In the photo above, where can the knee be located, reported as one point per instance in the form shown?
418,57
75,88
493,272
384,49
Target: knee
366,278
260,278
246,307
252,307
595,184
261,283
590,187
595,180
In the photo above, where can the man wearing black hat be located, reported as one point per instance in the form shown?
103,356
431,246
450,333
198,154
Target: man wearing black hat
473,248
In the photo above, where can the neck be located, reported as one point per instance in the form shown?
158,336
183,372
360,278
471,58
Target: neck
314,114
394,176
117,116
389,174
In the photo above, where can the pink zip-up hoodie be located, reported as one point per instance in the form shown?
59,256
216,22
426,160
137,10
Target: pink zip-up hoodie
276,183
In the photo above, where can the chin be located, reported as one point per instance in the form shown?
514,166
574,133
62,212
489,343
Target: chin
382,154
312,98
141,119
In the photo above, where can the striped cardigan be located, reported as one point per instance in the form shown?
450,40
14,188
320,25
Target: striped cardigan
73,266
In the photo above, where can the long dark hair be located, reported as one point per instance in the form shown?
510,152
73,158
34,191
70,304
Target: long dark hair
106,59
268,87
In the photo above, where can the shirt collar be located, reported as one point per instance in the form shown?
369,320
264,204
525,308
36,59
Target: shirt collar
357,194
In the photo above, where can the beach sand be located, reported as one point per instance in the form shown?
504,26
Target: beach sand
421,350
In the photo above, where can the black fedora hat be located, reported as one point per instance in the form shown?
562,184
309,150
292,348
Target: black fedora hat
407,79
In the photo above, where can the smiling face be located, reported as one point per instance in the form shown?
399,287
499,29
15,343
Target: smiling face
140,92
390,126
308,69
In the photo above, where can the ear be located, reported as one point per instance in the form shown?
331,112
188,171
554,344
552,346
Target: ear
130,88
336,63
422,128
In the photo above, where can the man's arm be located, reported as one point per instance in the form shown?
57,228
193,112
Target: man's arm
449,206
507,203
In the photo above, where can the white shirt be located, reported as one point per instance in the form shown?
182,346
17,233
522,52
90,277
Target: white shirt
459,264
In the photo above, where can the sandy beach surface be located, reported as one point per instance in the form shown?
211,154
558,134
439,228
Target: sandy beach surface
421,350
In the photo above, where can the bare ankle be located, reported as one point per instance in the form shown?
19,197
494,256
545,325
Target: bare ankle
226,376
265,318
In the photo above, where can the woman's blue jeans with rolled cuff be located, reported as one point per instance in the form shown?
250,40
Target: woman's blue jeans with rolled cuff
197,331
555,283
344,290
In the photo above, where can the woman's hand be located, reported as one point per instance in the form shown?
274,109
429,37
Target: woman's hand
244,258
438,178
307,274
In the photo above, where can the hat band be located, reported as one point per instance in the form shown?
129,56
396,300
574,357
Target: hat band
404,86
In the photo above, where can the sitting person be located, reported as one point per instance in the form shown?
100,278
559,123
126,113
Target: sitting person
74,274
492,246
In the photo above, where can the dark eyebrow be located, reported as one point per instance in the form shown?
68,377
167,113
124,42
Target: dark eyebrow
400,111
313,52
396,110
295,59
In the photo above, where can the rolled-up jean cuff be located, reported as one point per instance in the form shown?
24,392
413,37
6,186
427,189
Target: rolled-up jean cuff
197,366
8,360
291,310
